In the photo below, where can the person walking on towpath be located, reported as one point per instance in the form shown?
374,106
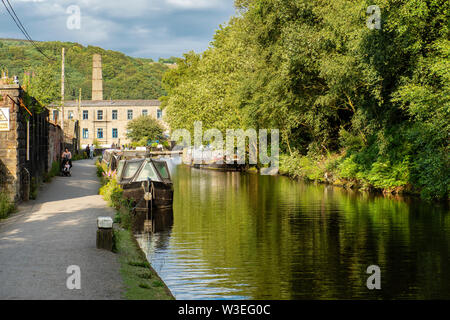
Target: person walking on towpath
92,149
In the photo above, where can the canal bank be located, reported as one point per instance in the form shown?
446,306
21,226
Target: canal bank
342,170
339,170
141,280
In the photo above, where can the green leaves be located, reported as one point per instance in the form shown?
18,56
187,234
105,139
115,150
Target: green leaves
144,129
316,72
44,85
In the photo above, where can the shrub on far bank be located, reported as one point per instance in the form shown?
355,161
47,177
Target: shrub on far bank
404,165
307,167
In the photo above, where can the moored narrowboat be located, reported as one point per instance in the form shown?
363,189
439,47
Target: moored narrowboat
146,182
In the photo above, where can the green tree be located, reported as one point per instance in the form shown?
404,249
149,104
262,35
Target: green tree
43,85
144,129
377,98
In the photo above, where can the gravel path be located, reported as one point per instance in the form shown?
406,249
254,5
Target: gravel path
56,231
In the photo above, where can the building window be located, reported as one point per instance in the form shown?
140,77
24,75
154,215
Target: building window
114,114
85,115
159,114
145,112
70,116
85,134
115,133
99,114
100,133
55,115
130,114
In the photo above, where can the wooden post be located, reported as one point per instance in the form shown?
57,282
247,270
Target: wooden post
105,233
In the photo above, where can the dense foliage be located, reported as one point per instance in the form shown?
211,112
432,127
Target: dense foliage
123,77
144,129
375,101
170,60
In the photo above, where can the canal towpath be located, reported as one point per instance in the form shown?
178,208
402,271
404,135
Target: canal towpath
58,230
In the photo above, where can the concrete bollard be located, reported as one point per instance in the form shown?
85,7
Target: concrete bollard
105,233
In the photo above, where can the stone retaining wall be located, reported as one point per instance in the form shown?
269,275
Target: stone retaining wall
24,148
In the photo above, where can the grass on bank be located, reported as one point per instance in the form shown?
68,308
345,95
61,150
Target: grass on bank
141,280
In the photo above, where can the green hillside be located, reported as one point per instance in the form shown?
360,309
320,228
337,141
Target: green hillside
124,77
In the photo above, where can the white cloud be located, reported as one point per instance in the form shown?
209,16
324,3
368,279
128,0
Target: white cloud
160,48
195,4
121,9
146,28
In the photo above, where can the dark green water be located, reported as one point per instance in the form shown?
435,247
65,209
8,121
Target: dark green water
245,236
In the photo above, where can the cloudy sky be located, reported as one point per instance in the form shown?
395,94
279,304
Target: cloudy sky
140,28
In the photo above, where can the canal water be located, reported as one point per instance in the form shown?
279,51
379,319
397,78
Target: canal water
246,236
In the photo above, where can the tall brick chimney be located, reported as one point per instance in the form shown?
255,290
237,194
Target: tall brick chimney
97,78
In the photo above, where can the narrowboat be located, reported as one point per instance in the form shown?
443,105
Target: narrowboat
205,158
112,157
146,182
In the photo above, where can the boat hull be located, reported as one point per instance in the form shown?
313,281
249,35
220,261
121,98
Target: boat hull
162,195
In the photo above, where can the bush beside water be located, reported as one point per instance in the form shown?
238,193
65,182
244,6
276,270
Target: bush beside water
401,167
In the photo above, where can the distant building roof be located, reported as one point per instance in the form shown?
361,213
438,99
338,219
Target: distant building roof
111,103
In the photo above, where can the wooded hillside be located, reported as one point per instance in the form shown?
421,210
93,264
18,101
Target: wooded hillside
124,77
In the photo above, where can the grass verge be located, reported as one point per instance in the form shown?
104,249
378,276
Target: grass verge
141,281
